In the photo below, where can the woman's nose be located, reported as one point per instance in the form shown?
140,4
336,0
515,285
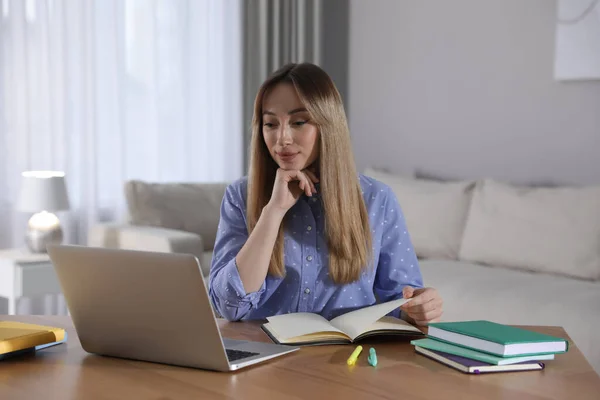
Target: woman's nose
284,136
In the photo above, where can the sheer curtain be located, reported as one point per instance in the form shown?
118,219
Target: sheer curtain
111,90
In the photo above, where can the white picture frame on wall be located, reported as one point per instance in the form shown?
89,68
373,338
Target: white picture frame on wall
577,44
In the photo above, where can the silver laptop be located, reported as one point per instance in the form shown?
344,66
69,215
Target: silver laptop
148,306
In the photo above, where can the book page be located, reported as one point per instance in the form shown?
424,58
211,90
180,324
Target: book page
389,325
292,325
392,324
356,322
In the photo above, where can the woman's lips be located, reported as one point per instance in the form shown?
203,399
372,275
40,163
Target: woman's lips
287,157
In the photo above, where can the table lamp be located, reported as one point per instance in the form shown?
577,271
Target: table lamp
43,192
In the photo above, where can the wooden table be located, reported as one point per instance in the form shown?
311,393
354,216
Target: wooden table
67,372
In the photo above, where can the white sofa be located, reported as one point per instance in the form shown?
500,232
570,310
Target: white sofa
513,255
510,254
171,217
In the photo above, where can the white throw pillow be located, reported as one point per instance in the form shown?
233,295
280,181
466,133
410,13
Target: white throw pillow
435,212
553,230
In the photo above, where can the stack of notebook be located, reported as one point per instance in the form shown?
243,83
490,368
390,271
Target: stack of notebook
477,347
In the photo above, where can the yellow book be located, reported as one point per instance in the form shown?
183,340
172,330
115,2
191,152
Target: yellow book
15,336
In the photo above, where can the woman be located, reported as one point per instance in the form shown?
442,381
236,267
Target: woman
304,232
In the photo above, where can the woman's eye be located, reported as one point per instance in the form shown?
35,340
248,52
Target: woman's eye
299,123
268,124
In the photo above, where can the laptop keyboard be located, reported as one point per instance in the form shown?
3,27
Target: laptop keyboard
234,355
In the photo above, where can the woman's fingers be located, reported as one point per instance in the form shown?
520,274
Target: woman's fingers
311,175
312,186
312,179
426,322
426,315
425,305
421,308
307,185
428,312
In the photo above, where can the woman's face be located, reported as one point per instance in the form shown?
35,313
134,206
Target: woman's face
291,137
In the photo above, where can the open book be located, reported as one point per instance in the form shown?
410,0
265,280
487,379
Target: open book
309,328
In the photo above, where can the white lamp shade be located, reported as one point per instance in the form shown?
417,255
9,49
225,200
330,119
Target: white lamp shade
43,191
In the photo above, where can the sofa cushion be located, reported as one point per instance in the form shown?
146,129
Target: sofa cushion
435,212
189,207
553,230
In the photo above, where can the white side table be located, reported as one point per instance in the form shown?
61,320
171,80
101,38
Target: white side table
24,274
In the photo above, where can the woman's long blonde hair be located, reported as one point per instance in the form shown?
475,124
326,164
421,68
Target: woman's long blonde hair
347,230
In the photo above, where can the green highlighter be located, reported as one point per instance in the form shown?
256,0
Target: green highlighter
372,359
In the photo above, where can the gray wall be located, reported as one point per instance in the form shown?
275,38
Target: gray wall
465,89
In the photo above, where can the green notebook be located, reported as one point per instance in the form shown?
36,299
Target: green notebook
444,347
498,339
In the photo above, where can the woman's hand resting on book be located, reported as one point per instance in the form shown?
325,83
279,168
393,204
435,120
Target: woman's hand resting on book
425,306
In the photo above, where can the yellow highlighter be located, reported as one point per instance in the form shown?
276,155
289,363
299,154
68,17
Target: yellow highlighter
354,356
